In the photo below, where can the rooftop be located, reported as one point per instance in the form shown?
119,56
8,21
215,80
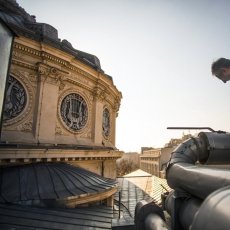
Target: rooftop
50,184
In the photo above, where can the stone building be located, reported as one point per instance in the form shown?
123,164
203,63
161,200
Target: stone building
59,119
154,160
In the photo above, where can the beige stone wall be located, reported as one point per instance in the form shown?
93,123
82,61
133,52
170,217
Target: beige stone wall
91,165
48,75
110,169
106,168
150,161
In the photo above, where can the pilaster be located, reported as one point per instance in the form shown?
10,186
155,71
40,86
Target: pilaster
99,96
47,100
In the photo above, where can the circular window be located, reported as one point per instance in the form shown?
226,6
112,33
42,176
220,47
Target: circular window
106,123
15,100
74,111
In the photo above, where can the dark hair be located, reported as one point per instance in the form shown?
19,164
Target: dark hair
220,63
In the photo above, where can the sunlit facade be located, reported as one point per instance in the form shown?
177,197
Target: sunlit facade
60,106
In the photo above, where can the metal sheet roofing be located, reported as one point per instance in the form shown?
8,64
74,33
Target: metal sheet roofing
31,218
138,186
44,181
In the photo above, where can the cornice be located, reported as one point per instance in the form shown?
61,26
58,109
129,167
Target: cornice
15,155
49,57
100,87
100,78
26,49
24,65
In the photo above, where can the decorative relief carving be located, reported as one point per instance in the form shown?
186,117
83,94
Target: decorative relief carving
99,93
116,104
74,112
106,123
18,103
62,85
82,93
31,77
90,97
58,130
15,100
54,80
26,49
46,56
52,58
27,127
43,72
86,135
51,75
17,55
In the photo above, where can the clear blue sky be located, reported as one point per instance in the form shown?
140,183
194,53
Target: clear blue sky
159,53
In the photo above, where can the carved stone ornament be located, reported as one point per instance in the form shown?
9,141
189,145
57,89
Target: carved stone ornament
106,123
27,127
99,93
58,130
74,112
15,100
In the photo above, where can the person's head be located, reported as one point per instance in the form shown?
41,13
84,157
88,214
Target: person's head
221,69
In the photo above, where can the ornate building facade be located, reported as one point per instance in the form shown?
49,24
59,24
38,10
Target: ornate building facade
60,106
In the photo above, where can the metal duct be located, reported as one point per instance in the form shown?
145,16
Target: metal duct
215,148
214,212
149,216
183,172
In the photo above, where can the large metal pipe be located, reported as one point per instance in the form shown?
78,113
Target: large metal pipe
185,211
149,216
184,171
214,212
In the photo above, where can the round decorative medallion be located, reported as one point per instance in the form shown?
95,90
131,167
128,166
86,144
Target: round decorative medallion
15,100
74,111
106,123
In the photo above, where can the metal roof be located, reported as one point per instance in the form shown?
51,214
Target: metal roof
49,181
138,186
31,218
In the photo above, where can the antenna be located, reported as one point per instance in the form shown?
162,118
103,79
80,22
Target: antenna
208,128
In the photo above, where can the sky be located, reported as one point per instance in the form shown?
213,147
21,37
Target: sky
159,53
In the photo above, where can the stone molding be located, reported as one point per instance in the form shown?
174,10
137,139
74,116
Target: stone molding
24,155
72,73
